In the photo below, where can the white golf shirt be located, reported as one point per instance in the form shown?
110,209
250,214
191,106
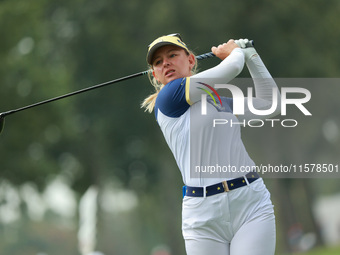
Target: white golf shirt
195,143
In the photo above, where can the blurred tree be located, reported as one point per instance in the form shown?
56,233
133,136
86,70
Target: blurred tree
49,48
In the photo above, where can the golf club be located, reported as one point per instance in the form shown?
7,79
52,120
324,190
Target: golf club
4,114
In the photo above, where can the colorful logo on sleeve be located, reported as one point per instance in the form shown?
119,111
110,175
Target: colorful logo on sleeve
209,93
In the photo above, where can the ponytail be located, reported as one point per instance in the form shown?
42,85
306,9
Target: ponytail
150,101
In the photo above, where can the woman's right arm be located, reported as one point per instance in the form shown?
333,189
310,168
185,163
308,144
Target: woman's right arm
232,64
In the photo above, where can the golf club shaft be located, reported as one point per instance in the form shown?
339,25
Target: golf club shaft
210,54
74,93
3,114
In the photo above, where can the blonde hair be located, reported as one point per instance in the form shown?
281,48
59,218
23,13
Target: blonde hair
150,101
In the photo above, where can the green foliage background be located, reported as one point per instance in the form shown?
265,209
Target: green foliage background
49,48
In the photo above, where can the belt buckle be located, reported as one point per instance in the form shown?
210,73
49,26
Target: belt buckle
225,186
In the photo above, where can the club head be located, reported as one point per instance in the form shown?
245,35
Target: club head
2,122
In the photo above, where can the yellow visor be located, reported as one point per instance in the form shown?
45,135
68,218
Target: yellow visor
173,39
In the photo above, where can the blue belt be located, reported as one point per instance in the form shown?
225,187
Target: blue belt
221,187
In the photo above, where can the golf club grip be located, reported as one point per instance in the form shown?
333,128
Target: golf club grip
210,54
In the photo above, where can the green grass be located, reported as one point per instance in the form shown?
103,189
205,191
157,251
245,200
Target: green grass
323,251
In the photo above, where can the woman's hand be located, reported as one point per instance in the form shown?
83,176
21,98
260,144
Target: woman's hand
223,50
249,52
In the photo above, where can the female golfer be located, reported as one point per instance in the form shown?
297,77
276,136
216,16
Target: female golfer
226,206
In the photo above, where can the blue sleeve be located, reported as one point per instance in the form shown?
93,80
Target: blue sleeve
227,103
171,100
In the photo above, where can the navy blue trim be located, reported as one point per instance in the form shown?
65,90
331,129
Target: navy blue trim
171,99
227,104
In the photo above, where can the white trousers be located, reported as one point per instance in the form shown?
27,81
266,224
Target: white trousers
238,222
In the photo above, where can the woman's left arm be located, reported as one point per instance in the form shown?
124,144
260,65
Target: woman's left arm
267,95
